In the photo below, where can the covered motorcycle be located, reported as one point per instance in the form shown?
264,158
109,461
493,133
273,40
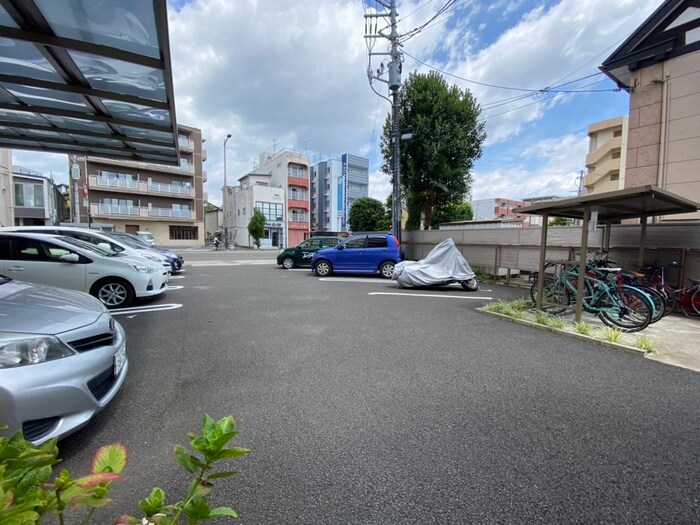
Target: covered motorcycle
443,265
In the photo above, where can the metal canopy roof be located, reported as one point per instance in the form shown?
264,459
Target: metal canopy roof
630,203
87,77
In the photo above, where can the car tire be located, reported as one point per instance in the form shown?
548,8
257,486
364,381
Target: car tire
386,270
470,285
288,263
323,268
113,292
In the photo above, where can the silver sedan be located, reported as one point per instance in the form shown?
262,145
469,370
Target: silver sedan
62,359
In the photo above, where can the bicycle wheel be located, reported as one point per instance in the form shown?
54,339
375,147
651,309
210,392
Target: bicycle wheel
695,301
555,296
657,299
625,308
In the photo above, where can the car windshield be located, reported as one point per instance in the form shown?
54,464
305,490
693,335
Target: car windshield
130,241
84,245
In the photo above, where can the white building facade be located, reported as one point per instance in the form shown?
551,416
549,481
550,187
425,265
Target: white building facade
256,192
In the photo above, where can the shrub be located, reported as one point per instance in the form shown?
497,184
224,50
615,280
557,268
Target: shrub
27,494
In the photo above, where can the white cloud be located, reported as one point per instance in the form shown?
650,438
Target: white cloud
547,167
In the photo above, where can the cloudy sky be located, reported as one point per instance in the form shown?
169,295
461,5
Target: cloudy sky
281,74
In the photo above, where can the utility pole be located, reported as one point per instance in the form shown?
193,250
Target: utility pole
394,83
225,199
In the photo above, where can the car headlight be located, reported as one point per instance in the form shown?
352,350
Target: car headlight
25,349
142,268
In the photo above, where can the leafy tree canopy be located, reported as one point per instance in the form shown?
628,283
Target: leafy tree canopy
256,226
451,213
436,161
559,221
365,214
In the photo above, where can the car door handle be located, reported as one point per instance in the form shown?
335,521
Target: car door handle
15,269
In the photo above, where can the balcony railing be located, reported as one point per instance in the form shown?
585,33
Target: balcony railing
165,168
143,187
143,212
295,203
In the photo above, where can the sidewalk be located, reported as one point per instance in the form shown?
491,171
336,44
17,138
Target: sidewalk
675,337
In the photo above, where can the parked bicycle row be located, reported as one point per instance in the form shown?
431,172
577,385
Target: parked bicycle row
627,300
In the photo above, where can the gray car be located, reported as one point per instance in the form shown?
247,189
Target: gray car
62,359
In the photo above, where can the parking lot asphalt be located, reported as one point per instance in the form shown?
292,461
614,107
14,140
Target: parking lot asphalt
368,404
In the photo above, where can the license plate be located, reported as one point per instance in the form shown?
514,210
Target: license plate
119,359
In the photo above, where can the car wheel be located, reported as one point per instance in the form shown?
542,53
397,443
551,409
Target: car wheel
387,270
471,285
114,293
288,263
323,268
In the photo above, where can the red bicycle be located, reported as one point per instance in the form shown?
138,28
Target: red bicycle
685,300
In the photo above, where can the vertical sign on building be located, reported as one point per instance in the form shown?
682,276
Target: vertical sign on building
343,195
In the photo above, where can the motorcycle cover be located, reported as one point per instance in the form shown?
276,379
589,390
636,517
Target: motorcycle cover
443,264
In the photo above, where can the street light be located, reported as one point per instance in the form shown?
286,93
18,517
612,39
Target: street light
225,195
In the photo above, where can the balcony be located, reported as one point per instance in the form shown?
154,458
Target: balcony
187,169
141,187
185,143
204,154
141,212
297,181
296,203
204,176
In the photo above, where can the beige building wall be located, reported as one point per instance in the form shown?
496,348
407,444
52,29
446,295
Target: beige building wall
664,129
6,215
607,155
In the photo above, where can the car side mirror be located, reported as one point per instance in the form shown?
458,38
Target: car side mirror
70,258
340,247
104,246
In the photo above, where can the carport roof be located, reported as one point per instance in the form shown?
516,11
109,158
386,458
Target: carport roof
630,203
87,77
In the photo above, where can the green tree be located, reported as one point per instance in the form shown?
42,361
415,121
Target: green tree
436,161
256,226
559,221
452,212
384,224
365,214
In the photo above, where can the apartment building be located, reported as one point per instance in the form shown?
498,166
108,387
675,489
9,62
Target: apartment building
6,187
289,170
607,155
256,192
497,208
36,200
135,196
335,185
659,66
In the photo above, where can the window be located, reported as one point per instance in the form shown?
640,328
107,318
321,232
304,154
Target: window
184,233
357,242
271,210
376,242
617,133
28,250
29,195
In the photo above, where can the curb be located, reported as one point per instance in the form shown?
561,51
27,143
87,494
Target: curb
617,346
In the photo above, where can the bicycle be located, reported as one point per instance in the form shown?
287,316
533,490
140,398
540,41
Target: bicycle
685,300
624,307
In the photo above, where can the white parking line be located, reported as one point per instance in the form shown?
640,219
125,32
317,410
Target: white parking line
174,287
250,262
177,277
351,280
144,309
468,297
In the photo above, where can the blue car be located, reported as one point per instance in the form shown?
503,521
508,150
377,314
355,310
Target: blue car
373,253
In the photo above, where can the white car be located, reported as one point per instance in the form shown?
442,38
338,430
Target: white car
94,237
113,278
